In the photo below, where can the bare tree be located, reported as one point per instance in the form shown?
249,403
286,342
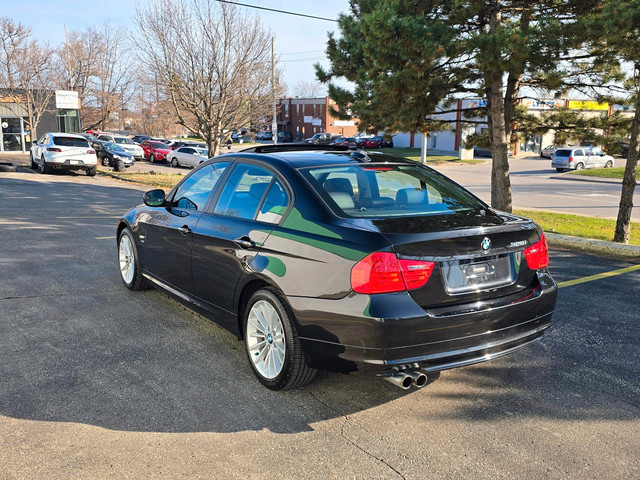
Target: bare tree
26,73
111,86
212,61
309,89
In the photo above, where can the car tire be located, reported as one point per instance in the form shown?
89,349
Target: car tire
43,167
280,363
174,162
34,165
7,167
560,169
105,162
152,158
128,262
91,171
609,164
579,166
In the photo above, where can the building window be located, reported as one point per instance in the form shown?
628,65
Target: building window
286,110
68,121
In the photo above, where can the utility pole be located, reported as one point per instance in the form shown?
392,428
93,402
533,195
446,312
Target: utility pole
66,41
122,109
274,122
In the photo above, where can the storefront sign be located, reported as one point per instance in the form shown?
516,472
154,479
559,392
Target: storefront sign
344,123
478,104
67,99
542,104
587,105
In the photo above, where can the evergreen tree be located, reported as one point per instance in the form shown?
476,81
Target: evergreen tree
407,56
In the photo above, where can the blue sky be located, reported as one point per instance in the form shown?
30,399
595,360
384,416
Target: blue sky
292,34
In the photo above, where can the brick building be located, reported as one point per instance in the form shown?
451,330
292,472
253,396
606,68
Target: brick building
303,117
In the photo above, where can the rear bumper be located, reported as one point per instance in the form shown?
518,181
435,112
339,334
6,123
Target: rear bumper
561,164
392,332
68,164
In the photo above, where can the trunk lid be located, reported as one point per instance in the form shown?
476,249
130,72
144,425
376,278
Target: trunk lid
478,255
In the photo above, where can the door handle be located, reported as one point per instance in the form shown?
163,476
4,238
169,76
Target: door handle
244,242
184,230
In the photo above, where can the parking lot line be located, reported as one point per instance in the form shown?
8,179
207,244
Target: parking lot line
590,278
110,237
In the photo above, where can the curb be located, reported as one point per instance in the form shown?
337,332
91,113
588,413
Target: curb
584,178
600,247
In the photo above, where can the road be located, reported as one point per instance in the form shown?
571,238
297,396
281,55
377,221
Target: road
536,185
100,382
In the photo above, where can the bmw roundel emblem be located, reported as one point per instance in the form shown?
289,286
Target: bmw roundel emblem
486,244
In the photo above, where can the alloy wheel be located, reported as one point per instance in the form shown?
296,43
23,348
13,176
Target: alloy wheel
126,259
265,339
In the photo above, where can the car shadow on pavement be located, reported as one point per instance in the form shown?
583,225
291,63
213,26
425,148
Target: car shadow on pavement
77,346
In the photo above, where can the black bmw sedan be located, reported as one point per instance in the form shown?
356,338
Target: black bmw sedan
339,260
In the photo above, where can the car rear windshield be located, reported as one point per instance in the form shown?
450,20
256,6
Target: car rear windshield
159,145
70,142
383,190
562,153
123,140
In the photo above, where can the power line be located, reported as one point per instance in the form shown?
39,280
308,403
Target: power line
278,11
301,53
313,59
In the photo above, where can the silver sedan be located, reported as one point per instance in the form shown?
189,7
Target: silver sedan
187,156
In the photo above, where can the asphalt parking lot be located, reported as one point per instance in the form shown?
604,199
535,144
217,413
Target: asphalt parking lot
100,382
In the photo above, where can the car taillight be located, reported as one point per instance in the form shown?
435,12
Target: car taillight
570,159
52,149
537,255
383,272
90,152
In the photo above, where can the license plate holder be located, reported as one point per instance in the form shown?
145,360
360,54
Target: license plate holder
463,276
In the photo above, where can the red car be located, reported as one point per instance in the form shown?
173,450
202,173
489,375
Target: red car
374,142
155,151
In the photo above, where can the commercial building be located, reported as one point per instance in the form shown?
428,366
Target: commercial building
303,117
62,114
454,138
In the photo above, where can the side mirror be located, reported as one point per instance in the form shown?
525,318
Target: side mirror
35,142
154,198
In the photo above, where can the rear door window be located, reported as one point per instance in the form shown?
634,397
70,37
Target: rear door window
244,191
579,153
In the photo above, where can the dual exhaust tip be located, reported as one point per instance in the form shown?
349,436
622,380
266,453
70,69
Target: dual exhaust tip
407,378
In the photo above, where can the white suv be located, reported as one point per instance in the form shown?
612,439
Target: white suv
127,144
64,151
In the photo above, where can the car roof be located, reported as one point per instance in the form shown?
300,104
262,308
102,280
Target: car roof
62,134
311,157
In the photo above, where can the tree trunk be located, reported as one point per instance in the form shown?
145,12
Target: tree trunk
499,137
498,133
623,224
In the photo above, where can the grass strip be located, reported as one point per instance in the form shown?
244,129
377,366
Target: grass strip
158,180
414,154
616,172
579,225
